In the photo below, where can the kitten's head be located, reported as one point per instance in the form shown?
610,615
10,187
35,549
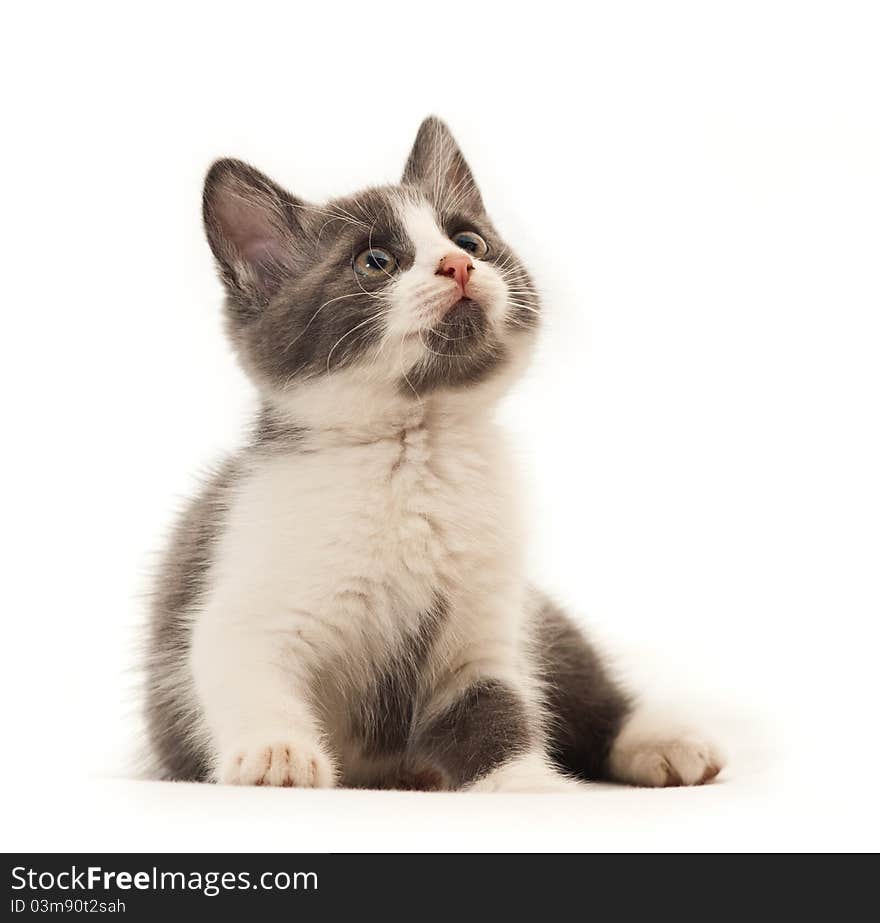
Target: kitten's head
403,290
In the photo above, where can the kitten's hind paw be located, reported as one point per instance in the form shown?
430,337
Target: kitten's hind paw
657,756
288,764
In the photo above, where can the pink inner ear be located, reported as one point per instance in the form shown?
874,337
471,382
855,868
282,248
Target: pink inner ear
264,251
248,226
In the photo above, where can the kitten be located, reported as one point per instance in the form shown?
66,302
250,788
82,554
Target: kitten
344,604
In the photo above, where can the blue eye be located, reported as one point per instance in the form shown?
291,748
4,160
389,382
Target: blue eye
375,262
472,243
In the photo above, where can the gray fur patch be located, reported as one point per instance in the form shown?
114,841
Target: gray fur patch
386,717
463,353
487,726
272,433
585,707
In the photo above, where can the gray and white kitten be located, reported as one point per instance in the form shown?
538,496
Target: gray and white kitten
344,604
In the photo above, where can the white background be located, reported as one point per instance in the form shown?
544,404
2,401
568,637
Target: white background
696,188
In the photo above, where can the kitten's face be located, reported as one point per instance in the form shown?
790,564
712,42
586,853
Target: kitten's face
408,287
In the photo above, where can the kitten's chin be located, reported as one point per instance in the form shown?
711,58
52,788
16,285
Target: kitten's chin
462,310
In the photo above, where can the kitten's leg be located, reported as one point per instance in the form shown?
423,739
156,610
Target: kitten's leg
251,682
484,736
585,707
595,732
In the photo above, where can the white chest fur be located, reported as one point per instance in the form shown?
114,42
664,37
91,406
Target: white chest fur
348,543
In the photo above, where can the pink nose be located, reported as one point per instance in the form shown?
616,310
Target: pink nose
457,266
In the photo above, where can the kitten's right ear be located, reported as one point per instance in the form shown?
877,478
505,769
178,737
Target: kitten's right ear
254,230
437,164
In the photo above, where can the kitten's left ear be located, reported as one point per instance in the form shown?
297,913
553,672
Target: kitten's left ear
437,166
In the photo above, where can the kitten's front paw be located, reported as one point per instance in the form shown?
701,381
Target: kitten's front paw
288,764
660,757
